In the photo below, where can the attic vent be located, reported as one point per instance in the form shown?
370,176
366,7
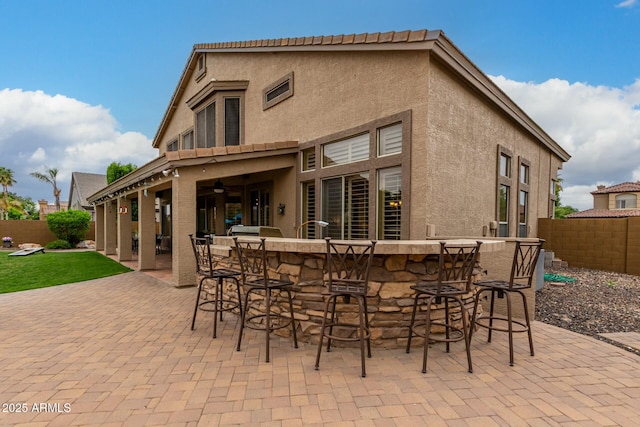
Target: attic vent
277,91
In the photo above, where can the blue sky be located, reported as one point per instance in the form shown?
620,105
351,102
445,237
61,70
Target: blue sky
80,74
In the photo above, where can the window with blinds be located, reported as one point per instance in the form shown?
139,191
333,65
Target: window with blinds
206,127
187,141
346,206
309,209
346,151
390,140
309,160
390,203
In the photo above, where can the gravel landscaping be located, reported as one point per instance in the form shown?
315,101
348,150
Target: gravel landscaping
597,302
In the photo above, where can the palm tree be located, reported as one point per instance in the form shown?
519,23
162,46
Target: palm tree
6,180
50,177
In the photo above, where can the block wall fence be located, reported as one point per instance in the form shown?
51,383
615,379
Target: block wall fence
22,231
611,244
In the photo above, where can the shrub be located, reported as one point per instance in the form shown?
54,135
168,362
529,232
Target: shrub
69,225
58,244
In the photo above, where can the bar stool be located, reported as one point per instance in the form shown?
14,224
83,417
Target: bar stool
210,297
252,255
348,267
525,258
456,265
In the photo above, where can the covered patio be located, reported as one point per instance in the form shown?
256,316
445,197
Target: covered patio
119,351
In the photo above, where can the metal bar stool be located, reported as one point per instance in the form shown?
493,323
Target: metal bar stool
348,267
210,297
525,258
456,265
252,255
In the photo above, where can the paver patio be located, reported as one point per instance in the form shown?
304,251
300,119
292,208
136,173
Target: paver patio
119,351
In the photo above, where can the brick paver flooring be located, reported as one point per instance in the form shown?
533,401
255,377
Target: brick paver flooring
119,351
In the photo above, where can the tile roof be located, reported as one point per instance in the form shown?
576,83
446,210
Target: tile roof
625,187
407,36
605,213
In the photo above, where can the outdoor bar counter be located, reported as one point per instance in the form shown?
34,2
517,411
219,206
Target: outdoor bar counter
397,265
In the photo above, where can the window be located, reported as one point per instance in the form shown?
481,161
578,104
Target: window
277,91
346,206
346,151
503,215
626,201
219,109
308,159
505,165
201,67
358,186
308,209
503,203
522,214
173,145
523,204
390,140
390,203
187,140
524,173
206,127
552,197
232,121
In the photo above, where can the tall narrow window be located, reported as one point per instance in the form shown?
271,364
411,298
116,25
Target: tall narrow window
503,215
552,198
523,199
505,184
231,121
389,203
522,214
187,141
173,145
309,209
206,127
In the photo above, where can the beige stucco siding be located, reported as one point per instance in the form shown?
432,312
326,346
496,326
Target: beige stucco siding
459,178
333,91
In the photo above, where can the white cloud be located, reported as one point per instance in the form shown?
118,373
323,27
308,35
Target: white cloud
599,126
627,3
38,129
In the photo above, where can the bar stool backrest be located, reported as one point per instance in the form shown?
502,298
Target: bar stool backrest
456,265
252,256
202,252
525,259
348,266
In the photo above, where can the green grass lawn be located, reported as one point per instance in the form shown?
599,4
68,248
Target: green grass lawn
40,270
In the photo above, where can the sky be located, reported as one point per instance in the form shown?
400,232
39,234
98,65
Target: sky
84,83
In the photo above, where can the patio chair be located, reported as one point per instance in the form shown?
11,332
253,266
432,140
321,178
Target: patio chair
211,297
525,258
456,265
252,255
347,275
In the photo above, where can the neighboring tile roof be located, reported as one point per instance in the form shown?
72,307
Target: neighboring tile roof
605,213
625,187
363,38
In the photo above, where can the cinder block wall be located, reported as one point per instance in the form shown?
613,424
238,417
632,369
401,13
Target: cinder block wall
23,231
611,244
